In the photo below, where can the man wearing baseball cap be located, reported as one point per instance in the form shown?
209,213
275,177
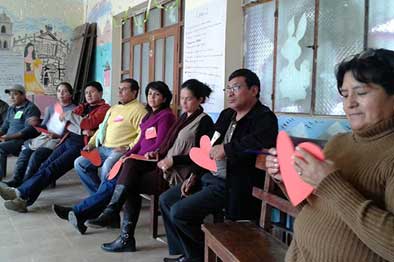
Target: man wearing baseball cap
16,128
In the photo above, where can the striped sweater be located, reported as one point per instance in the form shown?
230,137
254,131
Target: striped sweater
350,217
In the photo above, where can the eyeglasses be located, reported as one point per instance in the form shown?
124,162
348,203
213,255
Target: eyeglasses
232,89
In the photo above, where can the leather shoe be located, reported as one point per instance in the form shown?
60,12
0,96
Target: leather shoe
124,243
61,211
73,219
173,259
18,204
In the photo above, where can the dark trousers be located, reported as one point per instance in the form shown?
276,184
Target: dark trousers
29,161
183,216
6,148
59,162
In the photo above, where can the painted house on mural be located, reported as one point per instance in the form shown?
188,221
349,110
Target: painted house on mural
5,32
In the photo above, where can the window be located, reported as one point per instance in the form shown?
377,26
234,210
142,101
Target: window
151,50
5,45
296,61
3,29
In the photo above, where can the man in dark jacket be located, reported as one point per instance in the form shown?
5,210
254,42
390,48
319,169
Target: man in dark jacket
246,125
16,128
3,111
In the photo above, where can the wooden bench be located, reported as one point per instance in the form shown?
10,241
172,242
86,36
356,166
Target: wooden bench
246,241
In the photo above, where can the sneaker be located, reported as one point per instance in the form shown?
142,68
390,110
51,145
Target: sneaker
61,211
8,193
18,204
73,219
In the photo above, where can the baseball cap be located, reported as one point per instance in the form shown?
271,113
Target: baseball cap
19,88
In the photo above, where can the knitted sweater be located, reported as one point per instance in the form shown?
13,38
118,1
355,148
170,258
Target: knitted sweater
350,217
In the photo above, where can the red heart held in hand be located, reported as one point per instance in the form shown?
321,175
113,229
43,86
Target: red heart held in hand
93,156
296,188
200,155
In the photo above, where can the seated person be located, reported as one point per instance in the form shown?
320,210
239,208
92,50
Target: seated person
350,214
247,124
3,111
16,128
144,177
81,123
37,150
117,134
159,119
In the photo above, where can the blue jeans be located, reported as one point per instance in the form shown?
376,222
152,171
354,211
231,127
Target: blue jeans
93,205
59,163
29,161
6,148
87,172
183,216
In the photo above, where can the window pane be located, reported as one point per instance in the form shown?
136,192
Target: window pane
335,44
159,52
126,29
137,63
154,19
171,14
259,46
145,70
381,24
138,24
125,55
169,67
294,66
124,76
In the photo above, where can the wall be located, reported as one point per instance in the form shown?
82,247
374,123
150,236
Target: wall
41,33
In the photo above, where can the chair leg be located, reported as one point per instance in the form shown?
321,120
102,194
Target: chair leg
154,214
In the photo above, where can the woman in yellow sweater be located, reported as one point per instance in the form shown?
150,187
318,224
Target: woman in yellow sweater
350,215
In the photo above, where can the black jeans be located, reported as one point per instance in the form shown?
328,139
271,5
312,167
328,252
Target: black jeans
183,216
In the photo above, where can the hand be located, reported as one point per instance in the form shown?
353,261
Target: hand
33,121
123,158
187,185
88,147
165,164
3,138
121,149
272,165
53,135
151,155
87,132
312,170
217,152
62,116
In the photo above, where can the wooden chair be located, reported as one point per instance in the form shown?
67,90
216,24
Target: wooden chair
246,241
154,213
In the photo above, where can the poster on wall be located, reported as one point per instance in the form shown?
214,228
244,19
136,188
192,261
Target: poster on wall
11,68
204,48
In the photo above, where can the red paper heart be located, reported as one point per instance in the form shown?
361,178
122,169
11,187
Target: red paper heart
200,155
58,109
296,188
41,130
115,169
93,156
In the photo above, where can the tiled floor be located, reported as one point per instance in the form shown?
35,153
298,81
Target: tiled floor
40,236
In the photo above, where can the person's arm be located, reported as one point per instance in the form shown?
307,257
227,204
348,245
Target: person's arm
373,225
204,128
27,131
94,118
263,135
136,122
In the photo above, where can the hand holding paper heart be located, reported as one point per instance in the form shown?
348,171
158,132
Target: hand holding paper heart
93,156
200,155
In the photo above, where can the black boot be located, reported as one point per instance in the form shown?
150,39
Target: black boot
110,216
61,211
126,241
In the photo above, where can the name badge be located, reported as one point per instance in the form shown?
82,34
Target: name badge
18,115
150,133
118,119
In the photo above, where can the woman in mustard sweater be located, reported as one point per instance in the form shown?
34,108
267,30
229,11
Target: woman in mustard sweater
350,215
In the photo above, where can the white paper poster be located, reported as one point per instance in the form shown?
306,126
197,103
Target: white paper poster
204,48
11,71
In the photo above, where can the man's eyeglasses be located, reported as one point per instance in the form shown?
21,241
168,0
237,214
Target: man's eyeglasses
232,89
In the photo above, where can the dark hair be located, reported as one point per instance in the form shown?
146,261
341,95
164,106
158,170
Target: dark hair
370,66
163,89
134,86
251,78
199,89
33,54
96,85
67,85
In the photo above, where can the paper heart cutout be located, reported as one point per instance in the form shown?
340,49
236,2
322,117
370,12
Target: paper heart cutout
296,188
115,169
41,130
200,155
93,156
58,109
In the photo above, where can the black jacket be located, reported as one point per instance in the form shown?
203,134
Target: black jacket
256,130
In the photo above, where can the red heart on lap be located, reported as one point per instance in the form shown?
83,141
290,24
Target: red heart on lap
200,155
296,188
115,169
93,156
